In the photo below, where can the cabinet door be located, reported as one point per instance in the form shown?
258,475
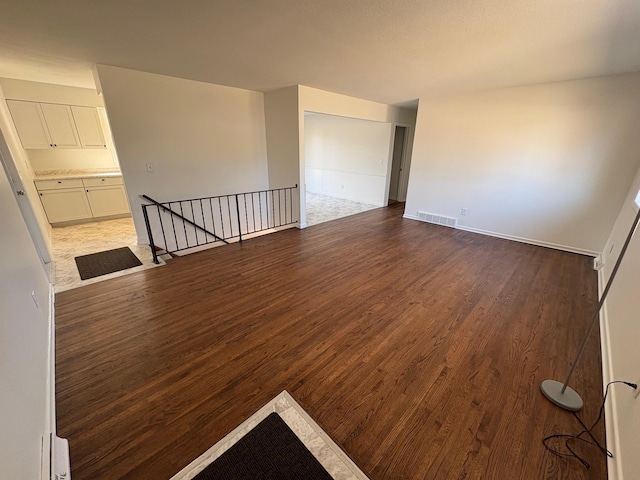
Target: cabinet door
61,126
89,129
30,124
65,205
105,201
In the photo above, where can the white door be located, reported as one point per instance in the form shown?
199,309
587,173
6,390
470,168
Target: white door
23,202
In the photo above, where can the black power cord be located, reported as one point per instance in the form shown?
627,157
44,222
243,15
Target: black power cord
586,430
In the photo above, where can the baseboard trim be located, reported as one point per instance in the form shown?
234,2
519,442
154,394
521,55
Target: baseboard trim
614,465
530,241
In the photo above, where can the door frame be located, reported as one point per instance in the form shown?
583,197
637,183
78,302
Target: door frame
24,203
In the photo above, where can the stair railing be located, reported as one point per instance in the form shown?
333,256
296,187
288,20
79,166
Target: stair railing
186,224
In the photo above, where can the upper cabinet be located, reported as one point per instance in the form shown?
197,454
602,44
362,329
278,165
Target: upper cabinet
49,125
89,129
59,120
30,124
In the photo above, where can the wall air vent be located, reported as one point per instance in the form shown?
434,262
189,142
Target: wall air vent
437,219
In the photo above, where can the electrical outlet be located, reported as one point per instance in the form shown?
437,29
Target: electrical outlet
636,392
464,211
149,167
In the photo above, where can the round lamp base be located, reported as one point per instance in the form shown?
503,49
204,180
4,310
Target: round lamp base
569,400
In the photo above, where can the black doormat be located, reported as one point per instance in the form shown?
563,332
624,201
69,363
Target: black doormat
270,451
97,264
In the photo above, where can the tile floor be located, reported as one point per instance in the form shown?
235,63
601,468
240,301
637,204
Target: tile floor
323,208
94,237
327,452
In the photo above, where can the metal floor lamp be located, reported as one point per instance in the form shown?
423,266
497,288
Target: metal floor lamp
560,393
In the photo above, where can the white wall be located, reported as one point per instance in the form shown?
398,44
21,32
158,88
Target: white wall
24,345
67,158
347,157
621,332
202,139
43,160
550,163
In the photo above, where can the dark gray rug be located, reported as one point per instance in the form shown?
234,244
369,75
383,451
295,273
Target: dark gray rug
102,263
270,451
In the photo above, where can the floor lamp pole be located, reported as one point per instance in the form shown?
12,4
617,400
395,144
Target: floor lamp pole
560,393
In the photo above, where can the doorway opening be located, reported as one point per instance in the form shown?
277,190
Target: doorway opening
399,178
58,153
345,166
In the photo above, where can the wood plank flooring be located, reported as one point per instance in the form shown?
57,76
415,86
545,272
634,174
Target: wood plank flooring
418,348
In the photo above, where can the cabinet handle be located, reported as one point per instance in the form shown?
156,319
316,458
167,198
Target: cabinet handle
51,144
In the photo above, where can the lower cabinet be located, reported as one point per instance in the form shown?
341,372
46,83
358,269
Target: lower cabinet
105,201
82,199
65,205
106,196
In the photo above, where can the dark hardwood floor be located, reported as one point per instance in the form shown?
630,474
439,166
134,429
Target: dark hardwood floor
419,349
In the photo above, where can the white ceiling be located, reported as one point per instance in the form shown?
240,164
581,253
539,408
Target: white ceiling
391,51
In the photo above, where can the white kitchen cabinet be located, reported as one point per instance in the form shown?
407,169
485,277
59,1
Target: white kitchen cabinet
72,199
65,204
61,126
107,200
30,124
89,128
58,184
51,125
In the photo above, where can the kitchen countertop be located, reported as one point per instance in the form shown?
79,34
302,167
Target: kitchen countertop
67,174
